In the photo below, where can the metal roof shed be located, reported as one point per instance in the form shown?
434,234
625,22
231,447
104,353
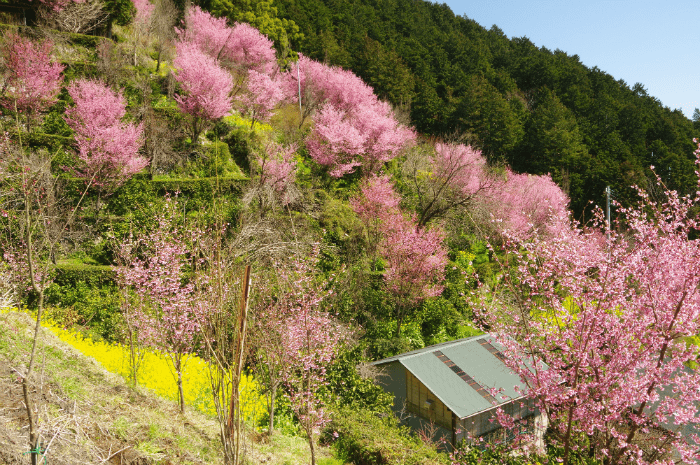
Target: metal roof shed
453,385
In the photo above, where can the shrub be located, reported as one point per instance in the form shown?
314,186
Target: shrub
216,161
367,439
93,309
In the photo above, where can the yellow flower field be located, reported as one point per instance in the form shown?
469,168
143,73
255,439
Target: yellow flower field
156,373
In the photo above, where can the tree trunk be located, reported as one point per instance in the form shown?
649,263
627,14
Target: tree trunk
271,410
178,367
132,349
38,288
33,433
312,446
158,61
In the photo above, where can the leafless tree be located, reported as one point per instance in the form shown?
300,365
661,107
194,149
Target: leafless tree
163,23
112,63
37,219
77,17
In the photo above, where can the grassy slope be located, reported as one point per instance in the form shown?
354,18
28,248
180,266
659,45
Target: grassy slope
88,415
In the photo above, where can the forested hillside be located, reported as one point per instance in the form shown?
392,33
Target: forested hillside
256,200
539,110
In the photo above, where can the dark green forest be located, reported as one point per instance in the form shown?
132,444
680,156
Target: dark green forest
539,110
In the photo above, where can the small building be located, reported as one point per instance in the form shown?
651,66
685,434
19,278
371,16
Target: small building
448,390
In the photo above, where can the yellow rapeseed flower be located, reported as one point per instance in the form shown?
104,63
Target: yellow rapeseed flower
155,373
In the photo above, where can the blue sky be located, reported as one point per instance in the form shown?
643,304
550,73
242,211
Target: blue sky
656,43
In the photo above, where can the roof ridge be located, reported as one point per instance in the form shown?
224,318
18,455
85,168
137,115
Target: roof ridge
430,348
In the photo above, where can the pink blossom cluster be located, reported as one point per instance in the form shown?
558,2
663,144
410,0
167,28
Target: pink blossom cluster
309,340
603,335
461,167
415,260
240,48
278,170
32,81
16,273
262,95
527,203
211,55
352,127
168,315
167,312
415,257
144,11
205,85
108,146
377,199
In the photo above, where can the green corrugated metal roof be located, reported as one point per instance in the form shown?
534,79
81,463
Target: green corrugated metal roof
452,390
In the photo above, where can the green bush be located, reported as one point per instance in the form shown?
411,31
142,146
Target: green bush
239,145
350,389
367,439
200,189
88,41
215,161
87,297
137,193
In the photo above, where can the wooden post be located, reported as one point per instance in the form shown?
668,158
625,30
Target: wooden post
234,417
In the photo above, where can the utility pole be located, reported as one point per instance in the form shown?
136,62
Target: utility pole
607,207
301,113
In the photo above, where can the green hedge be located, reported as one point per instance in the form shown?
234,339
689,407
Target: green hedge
38,139
87,41
367,439
80,69
196,188
199,187
69,274
50,141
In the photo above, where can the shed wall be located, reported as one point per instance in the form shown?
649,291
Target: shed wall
422,402
395,380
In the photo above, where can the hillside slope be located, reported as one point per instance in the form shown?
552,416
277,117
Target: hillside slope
91,416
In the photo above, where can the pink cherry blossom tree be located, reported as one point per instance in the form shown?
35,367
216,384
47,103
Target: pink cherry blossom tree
248,49
336,142
269,357
415,264
240,47
154,267
275,176
321,84
602,330
367,136
352,127
208,33
261,95
526,203
31,81
447,177
375,205
144,11
205,87
415,257
107,145
258,86
142,25
311,339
